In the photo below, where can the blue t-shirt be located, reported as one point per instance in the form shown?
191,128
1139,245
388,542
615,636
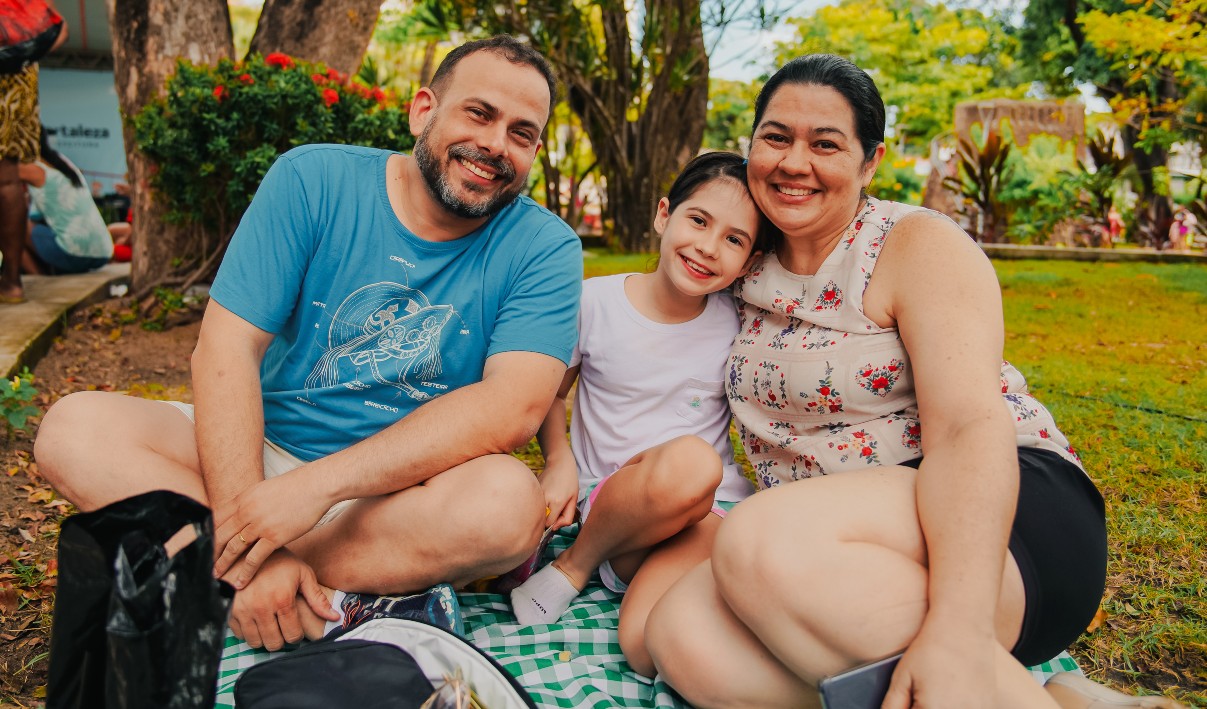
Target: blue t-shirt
370,320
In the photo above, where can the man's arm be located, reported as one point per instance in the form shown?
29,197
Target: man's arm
229,406
495,415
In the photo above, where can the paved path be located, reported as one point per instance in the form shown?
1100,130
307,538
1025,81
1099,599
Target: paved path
27,330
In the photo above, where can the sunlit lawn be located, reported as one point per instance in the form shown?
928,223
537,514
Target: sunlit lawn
1118,352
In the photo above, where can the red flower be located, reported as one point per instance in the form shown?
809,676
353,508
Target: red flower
865,451
880,383
829,295
771,395
824,391
277,59
378,95
318,78
220,92
246,79
334,75
330,97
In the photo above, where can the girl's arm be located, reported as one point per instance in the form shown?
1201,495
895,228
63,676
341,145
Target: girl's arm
559,480
943,294
31,174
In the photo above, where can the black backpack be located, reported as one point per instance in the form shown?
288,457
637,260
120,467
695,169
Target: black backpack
383,662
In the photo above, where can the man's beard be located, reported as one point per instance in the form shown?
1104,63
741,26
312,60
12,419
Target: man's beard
437,181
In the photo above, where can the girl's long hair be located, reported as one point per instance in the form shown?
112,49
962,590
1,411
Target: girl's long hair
56,160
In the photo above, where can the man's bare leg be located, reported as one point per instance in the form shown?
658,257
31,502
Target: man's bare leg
98,447
482,518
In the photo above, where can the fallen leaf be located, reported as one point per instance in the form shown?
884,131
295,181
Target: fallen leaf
8,599
1097,621
25,534
115,334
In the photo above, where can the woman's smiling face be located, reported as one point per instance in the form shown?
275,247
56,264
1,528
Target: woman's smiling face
807,168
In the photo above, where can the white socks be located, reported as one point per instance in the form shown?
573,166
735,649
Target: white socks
543,598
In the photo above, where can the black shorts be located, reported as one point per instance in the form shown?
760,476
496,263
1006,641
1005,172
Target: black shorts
1059,542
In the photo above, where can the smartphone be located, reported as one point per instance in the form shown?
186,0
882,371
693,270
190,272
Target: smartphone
863,687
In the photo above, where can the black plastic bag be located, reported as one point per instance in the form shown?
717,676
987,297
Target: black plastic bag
134,628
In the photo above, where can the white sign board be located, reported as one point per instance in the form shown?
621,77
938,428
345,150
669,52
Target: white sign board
81,115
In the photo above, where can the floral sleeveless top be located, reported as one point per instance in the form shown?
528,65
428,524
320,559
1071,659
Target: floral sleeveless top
818,388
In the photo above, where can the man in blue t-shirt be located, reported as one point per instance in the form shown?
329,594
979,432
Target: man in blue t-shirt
383,331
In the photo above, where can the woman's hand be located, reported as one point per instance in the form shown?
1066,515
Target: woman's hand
944,667
559,482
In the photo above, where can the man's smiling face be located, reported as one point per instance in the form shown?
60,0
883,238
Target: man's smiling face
481,134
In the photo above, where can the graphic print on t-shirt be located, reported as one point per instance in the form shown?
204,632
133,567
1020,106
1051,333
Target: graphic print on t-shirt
389,328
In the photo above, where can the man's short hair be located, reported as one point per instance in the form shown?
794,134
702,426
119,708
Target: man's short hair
506,46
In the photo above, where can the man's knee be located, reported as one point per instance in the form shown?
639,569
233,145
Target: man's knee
63,430
509,509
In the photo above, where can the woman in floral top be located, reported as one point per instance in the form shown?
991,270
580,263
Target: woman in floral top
916,498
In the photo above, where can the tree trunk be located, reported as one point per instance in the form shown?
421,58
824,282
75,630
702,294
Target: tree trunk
334,32
148,36
639,157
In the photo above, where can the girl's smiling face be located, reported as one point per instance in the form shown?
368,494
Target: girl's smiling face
807,169
707,242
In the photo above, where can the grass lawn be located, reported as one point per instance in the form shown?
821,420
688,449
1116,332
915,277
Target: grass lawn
1114,351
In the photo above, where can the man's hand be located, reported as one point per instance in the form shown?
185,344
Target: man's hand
560,486
266,614
262,519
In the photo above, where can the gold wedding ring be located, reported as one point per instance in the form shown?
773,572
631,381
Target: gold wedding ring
241,538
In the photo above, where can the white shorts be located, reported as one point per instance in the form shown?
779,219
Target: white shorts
277,461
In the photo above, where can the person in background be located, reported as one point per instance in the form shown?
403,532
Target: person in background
70,235
19,133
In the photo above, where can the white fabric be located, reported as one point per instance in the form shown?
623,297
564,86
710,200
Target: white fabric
643,383
277,461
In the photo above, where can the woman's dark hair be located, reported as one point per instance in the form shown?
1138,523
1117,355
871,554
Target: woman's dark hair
844,77
718,165
56,160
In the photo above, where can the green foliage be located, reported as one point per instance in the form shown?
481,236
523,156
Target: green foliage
730,113
167,302
924,57
1040,189
217,129
984,169
897,179
15,403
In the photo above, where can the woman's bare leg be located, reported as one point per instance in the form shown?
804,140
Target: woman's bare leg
665,565
826,573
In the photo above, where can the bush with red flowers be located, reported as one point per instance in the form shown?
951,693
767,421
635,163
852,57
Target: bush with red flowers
217,129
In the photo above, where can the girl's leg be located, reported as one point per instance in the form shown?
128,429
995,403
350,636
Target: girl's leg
656,495
665,565
827,574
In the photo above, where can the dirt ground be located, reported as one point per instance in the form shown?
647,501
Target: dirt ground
101,349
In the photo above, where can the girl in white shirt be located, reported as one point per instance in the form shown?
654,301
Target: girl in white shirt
650,463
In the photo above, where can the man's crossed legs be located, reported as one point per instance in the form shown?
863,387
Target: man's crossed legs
478,519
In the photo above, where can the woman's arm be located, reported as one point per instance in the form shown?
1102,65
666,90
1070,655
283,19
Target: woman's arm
31,174
559,480
943,294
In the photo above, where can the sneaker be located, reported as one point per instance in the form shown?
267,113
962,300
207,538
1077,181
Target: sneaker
436,606
1073,691
507,582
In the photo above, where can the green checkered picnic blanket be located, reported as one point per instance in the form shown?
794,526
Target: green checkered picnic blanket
574,663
